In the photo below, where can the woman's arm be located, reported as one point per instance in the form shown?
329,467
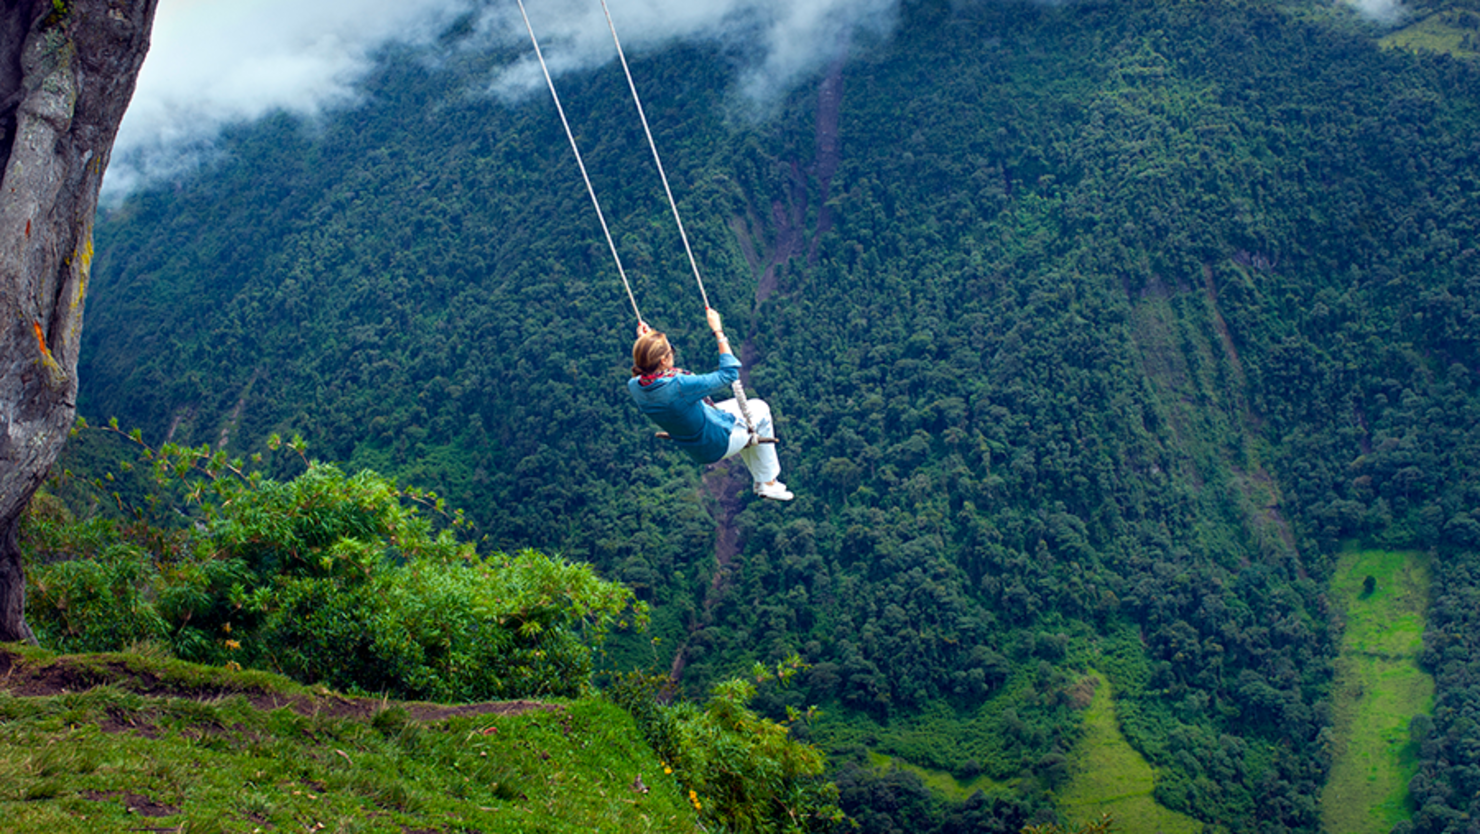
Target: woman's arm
696,388
718,327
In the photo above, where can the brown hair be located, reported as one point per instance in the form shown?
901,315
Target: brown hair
648,352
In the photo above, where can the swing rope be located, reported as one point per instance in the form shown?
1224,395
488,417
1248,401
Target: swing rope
736,386
656,159
582,164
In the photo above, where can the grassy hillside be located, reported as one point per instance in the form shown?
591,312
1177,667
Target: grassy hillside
1449,28
1379,692
1110,777
94,743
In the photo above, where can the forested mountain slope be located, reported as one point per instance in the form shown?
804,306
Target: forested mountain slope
1092,331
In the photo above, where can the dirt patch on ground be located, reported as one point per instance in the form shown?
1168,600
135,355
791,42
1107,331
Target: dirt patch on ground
27,681
63,675
439,712
121,721
136,803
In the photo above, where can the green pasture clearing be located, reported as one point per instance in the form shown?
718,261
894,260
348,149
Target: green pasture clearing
1455,31
1378,689
940,781
1111,777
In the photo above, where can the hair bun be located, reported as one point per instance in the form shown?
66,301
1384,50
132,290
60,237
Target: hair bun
648,352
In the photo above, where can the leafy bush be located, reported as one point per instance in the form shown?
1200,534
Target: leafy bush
489,628
743,773
96,604
326,577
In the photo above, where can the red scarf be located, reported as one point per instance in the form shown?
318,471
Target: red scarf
648,379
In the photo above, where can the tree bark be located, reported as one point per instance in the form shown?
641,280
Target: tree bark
67,71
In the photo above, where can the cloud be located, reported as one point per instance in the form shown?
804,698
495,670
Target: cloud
778,41
1385,11
213,63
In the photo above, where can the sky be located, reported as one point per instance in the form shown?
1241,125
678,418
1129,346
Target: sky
215,62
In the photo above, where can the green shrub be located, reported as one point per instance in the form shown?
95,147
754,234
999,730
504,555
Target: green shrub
96,604
500,627
328,578
743,773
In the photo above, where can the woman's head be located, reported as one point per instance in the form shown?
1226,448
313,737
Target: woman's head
650,352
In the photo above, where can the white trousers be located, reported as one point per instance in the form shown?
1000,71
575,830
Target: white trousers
761,458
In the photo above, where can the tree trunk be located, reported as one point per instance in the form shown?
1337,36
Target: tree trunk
67,71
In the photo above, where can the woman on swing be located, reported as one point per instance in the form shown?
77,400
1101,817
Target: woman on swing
678,401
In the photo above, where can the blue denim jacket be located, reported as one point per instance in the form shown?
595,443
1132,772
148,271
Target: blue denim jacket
676,403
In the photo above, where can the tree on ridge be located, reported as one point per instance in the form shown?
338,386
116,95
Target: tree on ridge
67,72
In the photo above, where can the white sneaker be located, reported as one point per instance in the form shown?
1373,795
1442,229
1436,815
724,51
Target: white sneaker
776,491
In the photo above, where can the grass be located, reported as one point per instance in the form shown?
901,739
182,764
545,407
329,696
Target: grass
1111,777
940,781
1378,690
1453,31
168,746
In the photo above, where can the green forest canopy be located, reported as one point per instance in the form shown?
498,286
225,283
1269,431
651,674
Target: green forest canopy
1104,327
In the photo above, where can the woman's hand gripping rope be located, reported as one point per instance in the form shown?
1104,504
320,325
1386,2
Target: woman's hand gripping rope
718,326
